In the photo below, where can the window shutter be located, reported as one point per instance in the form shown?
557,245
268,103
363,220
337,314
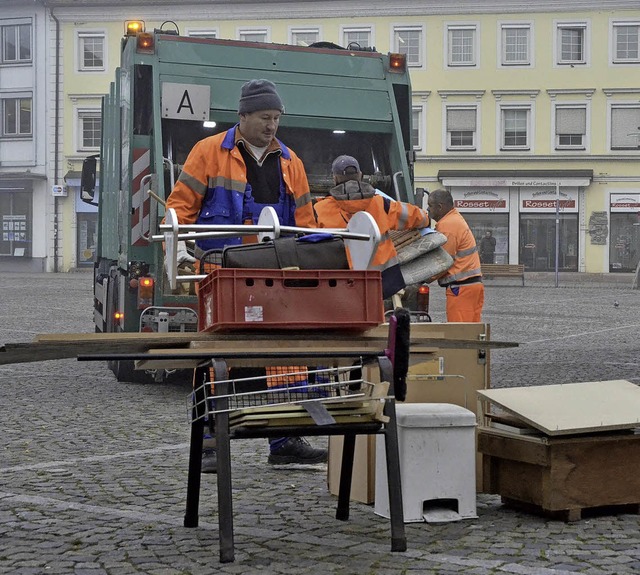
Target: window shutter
461,120
571,121
624,123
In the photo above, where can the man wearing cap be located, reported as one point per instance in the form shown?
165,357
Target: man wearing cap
228,179
351,195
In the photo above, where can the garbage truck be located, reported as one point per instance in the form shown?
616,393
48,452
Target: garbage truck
170,91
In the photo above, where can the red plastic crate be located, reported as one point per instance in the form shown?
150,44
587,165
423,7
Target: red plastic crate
254,299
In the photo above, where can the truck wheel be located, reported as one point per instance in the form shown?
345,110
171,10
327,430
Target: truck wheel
126,373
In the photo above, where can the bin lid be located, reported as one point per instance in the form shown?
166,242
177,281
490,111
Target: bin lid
433,415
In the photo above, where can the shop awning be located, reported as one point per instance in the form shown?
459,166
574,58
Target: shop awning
515,178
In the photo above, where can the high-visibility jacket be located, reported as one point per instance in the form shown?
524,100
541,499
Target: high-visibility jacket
461,246
213,189
352,196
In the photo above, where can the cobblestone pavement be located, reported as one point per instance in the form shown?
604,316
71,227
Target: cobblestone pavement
93,472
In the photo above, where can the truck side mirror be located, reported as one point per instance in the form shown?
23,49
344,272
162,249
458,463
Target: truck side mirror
88,180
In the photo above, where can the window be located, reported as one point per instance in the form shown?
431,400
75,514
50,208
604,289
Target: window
91,51
461,45
571,127
260,35
416,128
408,40
17,222
361,37
89,130
571,43
515,127
16,43
16,116
304,36
515,45
625,127
626,42
203,33
461,128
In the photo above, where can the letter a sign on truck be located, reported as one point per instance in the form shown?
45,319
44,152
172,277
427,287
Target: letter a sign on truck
185,101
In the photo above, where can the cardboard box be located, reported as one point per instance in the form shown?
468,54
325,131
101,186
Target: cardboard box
363,482
445,375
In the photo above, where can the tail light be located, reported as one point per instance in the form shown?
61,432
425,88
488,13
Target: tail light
423,298
145,292
145,43
397,62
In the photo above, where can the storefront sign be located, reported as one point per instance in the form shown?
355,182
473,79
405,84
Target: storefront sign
625,202
513,182
545,200
481,200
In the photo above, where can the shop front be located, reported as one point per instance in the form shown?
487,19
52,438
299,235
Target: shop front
16,216
532,215
487,213
86,216
624,243
540,224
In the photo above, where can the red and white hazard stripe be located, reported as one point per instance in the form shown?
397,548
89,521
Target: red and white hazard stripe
140,202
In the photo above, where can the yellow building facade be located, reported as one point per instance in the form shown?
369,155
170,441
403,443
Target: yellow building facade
528,113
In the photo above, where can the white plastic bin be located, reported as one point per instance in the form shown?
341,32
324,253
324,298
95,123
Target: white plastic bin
437,463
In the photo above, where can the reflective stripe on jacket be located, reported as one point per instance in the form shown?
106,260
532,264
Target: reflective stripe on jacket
213,189
461,245
336,210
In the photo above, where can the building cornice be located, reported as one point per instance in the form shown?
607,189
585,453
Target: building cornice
611,91
586,92
499,94
477,94
312,9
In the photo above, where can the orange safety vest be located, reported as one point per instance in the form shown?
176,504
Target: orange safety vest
461,246
335,212
215,165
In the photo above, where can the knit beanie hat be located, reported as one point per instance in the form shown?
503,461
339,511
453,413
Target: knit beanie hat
259,95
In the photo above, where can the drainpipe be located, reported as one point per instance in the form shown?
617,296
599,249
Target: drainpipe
56,143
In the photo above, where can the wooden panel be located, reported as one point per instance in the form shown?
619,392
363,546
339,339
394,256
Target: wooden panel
526,450
572,408
68,345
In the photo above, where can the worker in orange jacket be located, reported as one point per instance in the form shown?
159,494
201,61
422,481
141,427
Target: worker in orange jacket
228,179
351,195
463,280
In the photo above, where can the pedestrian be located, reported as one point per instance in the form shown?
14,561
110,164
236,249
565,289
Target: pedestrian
487,248
463,280
228,179
350,195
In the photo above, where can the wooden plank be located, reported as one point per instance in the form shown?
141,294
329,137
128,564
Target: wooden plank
572,408
305,421
69,345
191,358
515,448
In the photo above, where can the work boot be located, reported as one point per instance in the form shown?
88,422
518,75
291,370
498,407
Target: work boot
209,461
297,450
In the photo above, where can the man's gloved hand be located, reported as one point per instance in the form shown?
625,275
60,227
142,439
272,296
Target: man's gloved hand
183,255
